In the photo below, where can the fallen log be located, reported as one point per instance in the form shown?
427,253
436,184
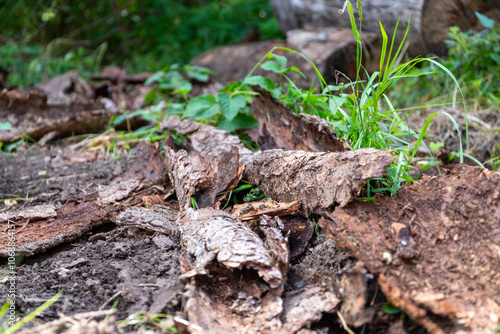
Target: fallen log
434,247
430,20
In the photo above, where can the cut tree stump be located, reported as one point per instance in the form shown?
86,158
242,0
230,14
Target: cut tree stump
430,19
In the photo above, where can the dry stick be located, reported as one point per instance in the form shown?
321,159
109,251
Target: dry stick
110,299
347,329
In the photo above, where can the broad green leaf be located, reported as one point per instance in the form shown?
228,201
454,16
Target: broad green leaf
261,81
241,121
271,66
150,97
485,21
231,106
203,106
156,77
5,126
281,59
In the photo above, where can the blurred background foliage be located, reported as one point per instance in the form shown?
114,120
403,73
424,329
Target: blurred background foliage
43,38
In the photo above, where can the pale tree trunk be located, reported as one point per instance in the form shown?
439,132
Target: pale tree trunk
429,19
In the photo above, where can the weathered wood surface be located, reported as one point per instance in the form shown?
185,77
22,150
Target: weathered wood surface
317,180
434,247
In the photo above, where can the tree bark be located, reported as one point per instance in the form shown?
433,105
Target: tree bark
429,20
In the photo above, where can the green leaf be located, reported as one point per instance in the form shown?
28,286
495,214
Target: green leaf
485,20
156,77
390,309
5,126
271,66
231,106
241,121
260,81
281,59
150,97
203,106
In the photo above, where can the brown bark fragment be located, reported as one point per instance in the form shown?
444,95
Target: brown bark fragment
299,231
442,266
280,128
151,219
186,175
34,212
316,180
205,139
254,210
209,235
305,306
222,151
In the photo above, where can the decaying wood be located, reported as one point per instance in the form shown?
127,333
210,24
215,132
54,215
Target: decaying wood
280,128
299,231
305,306
205,139
218,148
254,210
209,235
41,227
434,247
188,175
154,219
316,180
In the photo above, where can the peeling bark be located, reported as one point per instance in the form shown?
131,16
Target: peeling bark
280,128
219,148
254,210
316,180
306,306
186,175
209,235
434,247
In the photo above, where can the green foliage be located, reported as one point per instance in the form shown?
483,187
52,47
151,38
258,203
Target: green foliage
474,56
151,33
149,321
28,65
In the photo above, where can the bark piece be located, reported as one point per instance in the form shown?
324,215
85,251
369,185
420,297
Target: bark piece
34,212
205,139
316,180
222,151
84,199
254,210
434,247
187,175
299,232
280,128
209,235
234,299
353,293
306,306
150,219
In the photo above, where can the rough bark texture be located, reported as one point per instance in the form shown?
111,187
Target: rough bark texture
209,235
430,20
84,207
434,247
187,174
254,210
280,128
306,306
316,180
213,152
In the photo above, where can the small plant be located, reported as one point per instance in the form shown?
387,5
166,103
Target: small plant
149,321
16,326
